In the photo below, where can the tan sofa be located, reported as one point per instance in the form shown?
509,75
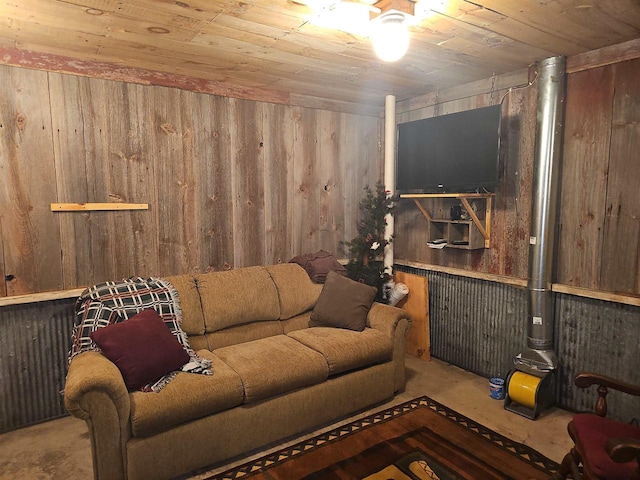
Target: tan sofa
273,376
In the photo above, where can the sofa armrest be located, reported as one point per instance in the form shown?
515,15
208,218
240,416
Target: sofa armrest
386,318
95,392
395,323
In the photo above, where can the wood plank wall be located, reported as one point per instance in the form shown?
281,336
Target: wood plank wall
229,182
598,243
600,210
508,254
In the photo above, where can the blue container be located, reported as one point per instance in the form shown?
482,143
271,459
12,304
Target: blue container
496,388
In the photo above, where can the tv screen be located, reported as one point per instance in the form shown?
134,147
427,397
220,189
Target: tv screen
455,153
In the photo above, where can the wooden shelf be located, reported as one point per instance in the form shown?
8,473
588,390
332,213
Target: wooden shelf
447,195
456,230
476,232
83,207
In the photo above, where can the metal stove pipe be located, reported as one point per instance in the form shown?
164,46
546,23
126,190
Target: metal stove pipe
539,356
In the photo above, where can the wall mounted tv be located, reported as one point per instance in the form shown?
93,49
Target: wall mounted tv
455,153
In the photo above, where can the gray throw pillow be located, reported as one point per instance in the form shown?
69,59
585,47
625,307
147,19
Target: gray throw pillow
343,303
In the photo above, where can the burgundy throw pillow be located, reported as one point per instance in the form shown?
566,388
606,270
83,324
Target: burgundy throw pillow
343,303
143,348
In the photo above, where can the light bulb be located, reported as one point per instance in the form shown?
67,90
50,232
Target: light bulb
390,37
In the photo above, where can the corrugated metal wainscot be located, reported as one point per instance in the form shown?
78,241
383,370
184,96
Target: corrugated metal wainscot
480,325
597,336
34,345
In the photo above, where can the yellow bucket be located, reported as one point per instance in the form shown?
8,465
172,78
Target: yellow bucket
523,388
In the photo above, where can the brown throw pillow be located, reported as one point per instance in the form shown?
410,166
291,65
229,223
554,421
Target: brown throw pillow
343,303
143,348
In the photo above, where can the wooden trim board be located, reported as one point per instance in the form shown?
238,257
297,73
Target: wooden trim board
625,299
416,303
74,207
40,297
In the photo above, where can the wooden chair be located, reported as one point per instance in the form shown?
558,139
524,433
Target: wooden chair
606,449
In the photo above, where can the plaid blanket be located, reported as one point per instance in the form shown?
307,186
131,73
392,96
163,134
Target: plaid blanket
113,302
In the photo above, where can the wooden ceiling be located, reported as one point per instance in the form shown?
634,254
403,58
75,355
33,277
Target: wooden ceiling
268,50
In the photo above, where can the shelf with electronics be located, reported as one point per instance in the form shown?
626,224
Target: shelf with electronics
471,234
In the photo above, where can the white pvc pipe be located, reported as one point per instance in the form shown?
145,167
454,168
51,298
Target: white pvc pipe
389,171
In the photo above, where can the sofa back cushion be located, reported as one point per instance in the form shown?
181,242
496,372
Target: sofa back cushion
236,297
243,333
297,293
192,318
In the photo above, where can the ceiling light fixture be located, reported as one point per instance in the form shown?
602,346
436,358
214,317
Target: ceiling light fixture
386,22
390,36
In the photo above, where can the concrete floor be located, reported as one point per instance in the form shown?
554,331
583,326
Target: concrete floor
59,449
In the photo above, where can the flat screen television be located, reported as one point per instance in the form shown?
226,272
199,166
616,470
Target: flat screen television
454,153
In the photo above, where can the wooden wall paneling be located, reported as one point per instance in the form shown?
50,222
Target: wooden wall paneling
367,161
112,107
521,162
404,224
604,56
175,179
353,186
366,154
31,235
369,152
599,208
305,206
189,157
349,199
3,279
132,237
214,190
498,257
620,253
248,178
80,142
584,169
509,245
485,85
278,179
374,142
331,151
511,207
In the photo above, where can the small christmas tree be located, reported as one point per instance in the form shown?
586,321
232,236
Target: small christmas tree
366,251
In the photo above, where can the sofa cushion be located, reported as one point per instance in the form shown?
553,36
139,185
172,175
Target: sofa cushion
273,366
243,333
189,298
343,303
236,297
296,292
198,342
187,397
143,348
296,323
346,350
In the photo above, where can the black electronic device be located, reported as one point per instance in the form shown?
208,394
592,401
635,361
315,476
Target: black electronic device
454,153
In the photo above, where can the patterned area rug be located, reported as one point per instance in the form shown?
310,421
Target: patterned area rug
416,440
